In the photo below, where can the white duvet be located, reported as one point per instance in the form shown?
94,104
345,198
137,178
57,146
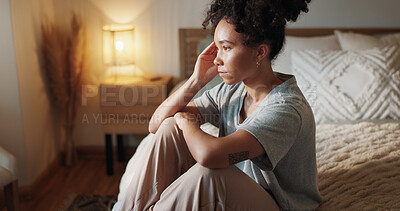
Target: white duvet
358,165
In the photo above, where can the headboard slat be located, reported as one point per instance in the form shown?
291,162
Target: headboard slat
188,41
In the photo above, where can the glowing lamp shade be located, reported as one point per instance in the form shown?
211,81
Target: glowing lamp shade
118,45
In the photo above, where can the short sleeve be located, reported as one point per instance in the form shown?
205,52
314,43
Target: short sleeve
208,104
276,128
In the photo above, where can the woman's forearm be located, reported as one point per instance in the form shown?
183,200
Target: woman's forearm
201,145
176,102
207,150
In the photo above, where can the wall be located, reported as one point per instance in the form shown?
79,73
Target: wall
39,131
11,125
351,13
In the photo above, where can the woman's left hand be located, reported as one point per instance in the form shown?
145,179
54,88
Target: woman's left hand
185,119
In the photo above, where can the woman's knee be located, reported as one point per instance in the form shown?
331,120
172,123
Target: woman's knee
169,134
169,124
169,129
198,170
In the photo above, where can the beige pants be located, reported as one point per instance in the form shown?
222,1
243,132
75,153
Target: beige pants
168,178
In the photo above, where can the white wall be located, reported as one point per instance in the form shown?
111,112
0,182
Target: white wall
351,13
39,131
11,125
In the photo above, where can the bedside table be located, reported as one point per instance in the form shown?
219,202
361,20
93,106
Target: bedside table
127,104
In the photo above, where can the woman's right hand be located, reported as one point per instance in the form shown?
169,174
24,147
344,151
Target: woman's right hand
205,69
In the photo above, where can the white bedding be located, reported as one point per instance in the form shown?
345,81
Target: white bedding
359,165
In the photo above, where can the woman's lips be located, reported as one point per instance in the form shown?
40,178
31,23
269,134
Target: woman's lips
222,73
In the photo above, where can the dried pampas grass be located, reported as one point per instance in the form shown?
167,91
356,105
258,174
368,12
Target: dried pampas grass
64,63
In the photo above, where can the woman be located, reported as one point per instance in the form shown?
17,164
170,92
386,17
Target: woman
266,126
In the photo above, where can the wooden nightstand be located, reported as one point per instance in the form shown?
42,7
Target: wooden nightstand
127,104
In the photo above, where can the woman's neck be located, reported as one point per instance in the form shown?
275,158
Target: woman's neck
261,84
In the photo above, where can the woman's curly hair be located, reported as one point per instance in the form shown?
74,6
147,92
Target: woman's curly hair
259,21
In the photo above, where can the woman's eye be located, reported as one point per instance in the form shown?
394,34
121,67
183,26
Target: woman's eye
226,48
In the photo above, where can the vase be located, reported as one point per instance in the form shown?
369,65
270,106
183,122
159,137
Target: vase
70,154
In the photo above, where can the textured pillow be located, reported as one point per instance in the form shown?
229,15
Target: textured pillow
283,64
350,85
391,39
356,41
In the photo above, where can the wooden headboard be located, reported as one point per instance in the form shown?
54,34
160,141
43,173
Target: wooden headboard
189,39
188,43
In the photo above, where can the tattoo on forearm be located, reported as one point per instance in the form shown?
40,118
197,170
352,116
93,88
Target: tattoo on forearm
237,157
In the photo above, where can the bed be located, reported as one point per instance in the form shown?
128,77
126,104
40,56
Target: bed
351,78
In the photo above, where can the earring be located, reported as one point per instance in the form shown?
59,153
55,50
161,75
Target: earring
258,64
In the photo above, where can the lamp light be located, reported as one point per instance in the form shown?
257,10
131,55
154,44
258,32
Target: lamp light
118,48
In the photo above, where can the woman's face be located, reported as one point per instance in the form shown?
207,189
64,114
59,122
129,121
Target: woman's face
235,61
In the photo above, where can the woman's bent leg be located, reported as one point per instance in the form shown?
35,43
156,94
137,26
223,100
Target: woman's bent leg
163,161
202,188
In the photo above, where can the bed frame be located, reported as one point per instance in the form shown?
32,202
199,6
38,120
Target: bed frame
189,39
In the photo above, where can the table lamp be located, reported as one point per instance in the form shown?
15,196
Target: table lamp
118,49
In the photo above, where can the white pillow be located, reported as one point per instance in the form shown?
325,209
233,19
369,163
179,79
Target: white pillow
283,62
356,41
350,85
391,39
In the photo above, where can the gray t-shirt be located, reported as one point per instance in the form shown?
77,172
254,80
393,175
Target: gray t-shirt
284,125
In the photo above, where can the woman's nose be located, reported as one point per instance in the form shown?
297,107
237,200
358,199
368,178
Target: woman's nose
218,61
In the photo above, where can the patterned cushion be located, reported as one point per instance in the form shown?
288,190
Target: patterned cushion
350,85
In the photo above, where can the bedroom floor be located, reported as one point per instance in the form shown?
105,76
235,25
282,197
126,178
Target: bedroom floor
87,177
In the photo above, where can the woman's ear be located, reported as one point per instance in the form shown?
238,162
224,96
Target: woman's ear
262,51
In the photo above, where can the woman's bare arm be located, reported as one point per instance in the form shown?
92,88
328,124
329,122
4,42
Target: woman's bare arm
178,101
204,71
213,152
